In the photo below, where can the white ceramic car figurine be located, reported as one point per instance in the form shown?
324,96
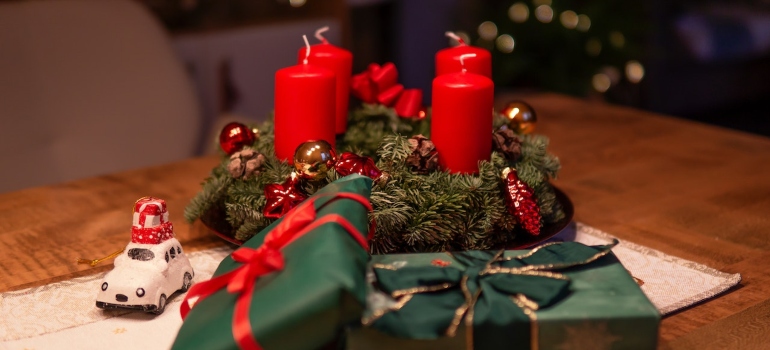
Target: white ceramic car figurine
152,267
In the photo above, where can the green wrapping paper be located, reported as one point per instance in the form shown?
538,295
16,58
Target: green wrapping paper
305,305
560,296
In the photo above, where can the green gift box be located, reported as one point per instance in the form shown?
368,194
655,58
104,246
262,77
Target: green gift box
558,296
307,287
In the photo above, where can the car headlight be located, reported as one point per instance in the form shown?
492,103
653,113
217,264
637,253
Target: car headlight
140,292
104,286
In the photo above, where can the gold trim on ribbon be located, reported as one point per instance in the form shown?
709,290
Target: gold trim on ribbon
460,311
426,289
560,266
517,271
367,321
534,329
385,267
465,311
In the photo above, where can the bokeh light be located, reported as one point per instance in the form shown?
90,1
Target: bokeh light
297,3
601,82
504,43
518,12
613,73
617,39
488,30
584,23
569,19
634,71
544,13
593,47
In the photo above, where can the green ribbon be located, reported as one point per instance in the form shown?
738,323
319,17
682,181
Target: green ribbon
495,297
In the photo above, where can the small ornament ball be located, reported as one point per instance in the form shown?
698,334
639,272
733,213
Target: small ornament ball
422,113
235,136
313,159
521,117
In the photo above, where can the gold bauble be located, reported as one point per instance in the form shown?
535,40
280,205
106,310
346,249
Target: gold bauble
313,159
521,117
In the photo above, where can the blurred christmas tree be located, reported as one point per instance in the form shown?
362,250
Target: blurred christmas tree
574,47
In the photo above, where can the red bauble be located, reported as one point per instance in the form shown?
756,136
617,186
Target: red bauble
283,197
350,163
521,203
234,136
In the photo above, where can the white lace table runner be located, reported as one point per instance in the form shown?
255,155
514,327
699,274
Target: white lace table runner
63,315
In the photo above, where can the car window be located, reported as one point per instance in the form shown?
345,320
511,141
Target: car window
166,256
141,254
178,250
173,252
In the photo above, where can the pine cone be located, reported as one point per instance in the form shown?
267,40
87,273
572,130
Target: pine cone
520,202
424,157
245,163
506,142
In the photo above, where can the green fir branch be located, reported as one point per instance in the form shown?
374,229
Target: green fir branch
412,212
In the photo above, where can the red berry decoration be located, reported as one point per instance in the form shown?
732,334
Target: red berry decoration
521,203
351,163
283,197
234,136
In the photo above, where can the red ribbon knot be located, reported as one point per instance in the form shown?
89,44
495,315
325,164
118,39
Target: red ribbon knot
379,84
258,262
267,259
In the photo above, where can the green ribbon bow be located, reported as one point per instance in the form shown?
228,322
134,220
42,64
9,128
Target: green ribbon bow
494,296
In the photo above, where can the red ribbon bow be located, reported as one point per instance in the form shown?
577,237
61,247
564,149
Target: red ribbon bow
379,84
267,259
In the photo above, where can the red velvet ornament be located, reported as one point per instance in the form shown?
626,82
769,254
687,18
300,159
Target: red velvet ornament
234,136
283,197
350,163
521,203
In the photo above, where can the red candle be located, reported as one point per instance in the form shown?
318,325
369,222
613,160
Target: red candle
461,127
448,60
304,107
339,61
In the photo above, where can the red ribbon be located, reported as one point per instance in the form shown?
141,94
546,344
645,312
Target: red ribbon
267,259
379,84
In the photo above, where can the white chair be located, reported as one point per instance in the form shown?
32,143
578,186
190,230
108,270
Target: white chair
89,87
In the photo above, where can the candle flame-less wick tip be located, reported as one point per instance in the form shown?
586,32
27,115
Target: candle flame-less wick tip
319,32
307,49
454,36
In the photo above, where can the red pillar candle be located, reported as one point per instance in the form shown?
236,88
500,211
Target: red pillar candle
461,127
339,61
448,60
304,107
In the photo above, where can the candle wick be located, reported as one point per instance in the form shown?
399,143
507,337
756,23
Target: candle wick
452,35
307,49
320,31
462,60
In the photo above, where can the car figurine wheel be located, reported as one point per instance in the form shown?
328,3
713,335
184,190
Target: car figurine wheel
187,282
161,305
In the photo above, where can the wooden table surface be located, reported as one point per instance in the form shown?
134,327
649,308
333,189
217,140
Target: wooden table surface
694,191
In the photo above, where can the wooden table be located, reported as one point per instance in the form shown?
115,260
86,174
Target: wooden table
694,191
